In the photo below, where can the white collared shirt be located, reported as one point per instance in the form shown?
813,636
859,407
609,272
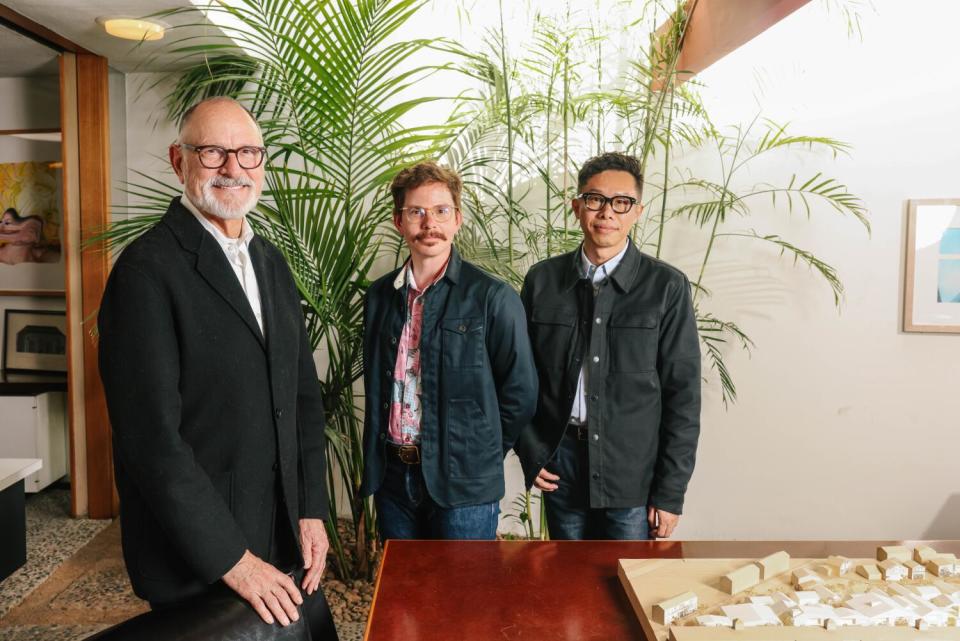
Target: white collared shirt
237,251
579,412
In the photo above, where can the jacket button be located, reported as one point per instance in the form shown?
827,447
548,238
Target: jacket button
462,328
386,405
594,397
596,437
278,413
387,371
393,340
596,359
598,320
595,476
383,436
276,466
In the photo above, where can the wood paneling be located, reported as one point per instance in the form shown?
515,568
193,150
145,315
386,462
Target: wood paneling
94,174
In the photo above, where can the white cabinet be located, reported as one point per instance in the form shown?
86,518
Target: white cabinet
35,427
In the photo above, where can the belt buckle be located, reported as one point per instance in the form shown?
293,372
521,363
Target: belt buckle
409,454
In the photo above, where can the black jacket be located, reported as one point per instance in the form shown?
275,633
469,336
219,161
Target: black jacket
643,389
208,416
478,384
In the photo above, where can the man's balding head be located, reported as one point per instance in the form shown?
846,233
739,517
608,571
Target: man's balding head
212,104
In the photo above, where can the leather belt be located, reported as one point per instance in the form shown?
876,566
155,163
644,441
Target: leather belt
579,432
407,454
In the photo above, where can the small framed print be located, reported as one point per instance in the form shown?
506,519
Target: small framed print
931,283
34,341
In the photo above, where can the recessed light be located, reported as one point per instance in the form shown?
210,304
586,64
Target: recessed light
133,28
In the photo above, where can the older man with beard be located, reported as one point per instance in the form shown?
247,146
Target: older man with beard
218,424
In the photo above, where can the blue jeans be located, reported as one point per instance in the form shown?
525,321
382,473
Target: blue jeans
569,515
406,511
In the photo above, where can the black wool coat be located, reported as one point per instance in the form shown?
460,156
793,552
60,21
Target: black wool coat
211,419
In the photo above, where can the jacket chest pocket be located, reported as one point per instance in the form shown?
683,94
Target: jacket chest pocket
552,335
633,342
462,340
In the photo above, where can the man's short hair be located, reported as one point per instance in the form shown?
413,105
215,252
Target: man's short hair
421,174
188,114
610,161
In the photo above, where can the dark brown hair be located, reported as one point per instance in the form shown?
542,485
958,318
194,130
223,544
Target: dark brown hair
422,174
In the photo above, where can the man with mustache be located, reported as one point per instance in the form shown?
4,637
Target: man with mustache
614,335
218,423
448,374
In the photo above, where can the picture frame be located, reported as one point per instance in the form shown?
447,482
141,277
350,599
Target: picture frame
931,281
31,202
34,341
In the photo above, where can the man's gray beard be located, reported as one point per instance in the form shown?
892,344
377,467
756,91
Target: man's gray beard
209,203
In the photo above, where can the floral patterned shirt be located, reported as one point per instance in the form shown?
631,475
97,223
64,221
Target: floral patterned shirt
405,411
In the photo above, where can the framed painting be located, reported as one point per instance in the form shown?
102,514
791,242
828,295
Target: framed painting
931,283
31,219
34,341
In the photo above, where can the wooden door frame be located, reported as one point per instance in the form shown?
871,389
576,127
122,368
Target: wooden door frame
85,127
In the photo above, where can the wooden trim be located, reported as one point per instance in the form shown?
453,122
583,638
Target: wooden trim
36,31
94,174
45,293
718,27
70,155
14,132
909,272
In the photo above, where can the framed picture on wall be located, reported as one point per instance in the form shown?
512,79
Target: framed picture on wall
34,341
31,220
931,283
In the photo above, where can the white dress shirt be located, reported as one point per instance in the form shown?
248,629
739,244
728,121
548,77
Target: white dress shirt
237,251
578,414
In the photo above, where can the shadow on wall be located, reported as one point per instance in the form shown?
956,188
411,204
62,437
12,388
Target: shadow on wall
946,525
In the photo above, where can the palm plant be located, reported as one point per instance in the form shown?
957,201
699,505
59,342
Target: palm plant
326,80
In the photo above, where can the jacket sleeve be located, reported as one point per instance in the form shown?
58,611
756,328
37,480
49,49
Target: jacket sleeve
511,359
311,426
139,358
678,366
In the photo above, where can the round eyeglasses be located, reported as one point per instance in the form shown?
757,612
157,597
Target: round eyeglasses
440,213
215,156
596,202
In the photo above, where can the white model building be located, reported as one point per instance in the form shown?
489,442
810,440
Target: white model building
898,552
923,553
771,566
750,615
740,579
805,597
892,570
879,608
804,579
842,563
943,566
826,594
848,616
915,570
714,621
675,607
869,571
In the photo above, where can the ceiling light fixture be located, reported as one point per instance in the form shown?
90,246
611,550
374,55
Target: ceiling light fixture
133,28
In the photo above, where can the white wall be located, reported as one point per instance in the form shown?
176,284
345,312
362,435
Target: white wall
846,426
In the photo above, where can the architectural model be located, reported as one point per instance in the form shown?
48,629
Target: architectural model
903,594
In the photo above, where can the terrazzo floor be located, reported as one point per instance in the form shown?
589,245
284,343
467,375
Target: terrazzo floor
74,583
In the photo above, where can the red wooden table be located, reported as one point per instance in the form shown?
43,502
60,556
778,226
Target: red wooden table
541,590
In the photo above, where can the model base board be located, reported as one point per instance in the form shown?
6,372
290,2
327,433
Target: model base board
649,582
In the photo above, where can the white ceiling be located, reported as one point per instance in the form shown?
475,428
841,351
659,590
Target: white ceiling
76,21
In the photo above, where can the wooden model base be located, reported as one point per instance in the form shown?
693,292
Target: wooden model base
651,581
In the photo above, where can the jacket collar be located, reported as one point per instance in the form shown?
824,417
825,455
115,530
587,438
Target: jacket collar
451,272
623,276
213,266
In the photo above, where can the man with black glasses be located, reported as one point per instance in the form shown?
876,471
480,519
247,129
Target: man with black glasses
614,336
218,421
448,374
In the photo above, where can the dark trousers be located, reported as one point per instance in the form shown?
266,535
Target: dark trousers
569,515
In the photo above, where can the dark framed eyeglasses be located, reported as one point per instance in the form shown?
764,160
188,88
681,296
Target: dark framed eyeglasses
596,202
215,156
440,213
